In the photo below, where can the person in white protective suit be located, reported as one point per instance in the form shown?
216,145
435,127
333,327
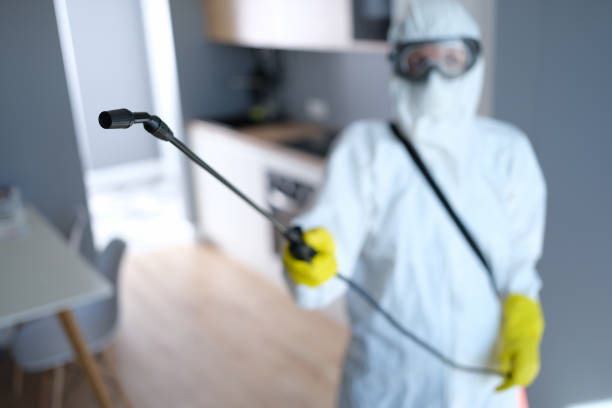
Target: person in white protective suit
377,220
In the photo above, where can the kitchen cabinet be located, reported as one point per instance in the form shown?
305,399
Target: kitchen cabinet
250,158
247,161
298,24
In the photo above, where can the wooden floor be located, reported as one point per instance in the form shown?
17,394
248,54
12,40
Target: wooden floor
200,331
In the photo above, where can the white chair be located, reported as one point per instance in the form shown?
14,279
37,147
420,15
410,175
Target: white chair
41,345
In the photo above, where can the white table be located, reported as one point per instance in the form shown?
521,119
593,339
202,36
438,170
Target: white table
40,275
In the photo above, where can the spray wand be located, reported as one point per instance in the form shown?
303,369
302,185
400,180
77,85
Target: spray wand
123,119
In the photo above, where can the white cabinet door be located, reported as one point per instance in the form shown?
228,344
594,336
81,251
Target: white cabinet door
314,23
227,221
294,24
244,22
223,218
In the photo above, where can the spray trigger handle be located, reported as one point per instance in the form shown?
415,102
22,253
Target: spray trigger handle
297,246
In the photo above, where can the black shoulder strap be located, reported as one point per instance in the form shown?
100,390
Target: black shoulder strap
468,237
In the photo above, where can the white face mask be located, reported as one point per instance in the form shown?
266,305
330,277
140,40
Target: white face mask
437,115
429,111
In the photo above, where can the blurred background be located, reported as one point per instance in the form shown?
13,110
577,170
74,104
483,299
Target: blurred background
260,90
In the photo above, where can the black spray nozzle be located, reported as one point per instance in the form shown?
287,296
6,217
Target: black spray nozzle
121,118
124,118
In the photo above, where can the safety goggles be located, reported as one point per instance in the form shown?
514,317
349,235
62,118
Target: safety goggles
414,61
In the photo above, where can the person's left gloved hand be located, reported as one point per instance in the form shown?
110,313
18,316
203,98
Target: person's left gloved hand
521,333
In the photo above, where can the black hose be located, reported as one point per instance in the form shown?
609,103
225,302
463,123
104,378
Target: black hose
413,337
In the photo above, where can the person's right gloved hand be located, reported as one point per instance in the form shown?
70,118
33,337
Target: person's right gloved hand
322,266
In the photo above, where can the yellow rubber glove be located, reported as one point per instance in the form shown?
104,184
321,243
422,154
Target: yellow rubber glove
521,333
322,266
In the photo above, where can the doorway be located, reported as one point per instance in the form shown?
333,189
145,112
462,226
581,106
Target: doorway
120,54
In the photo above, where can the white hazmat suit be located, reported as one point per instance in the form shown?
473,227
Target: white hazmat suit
394,238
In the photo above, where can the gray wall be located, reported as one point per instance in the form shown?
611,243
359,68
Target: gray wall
205,72
554,81
109,48
38,147
354,85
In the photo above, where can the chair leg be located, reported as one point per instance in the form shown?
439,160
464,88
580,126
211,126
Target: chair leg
17,377
57,394
45,385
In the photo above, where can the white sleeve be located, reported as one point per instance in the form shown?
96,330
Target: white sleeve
343,207
526,200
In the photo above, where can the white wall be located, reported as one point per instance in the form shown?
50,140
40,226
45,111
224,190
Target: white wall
111,68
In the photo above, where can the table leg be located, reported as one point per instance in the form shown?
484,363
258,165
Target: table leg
85,359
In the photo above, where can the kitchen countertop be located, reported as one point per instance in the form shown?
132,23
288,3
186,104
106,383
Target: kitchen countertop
303,138
282,132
